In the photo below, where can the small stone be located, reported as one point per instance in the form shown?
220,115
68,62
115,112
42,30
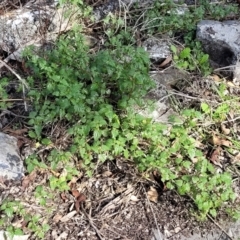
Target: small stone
11,164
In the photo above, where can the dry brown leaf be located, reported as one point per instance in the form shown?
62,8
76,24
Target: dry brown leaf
177,229
68,216
54,234
215,156
226,143
216,78
5,236
63,197
216,140
194,159
16,132
207,93
220,141
57,218
73,180
75,193
224,129
166,61
231,84
28,179
55,174
231,114
62,236
64,173
198,144
79,199
152,195
17,223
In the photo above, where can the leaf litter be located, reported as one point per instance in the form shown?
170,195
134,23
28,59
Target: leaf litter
122,206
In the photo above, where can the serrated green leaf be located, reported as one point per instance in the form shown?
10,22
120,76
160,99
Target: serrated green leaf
185,53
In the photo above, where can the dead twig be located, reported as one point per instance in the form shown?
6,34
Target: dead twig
91,223
230,238
4,112
190,97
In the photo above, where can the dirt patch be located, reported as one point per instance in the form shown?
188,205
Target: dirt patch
116,206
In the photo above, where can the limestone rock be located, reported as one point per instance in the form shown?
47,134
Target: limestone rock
11,164
221,40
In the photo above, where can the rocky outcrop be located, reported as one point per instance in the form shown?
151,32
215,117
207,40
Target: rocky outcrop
35,24
221,40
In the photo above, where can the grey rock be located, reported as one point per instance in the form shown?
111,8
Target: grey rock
161,110
158,49
38,23
236,74
102,11
11,164
221,40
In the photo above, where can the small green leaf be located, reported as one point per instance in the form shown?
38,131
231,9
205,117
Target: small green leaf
32,134
191,153
186,164
173,49
46,141
204,59
205,108
185,53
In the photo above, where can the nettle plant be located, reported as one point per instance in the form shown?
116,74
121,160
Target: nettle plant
92,92
192,58
96,94
14,209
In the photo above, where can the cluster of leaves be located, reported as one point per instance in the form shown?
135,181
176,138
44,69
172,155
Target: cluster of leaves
88,91
163,17
96,94
4,82
192,59
11,209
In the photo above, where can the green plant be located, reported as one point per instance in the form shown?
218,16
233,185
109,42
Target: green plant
35,226
42,195
4,104
61,183
13,231
87,91
192,59
80,7
8,210
218,114
33,162
170,17
11,209
96,95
